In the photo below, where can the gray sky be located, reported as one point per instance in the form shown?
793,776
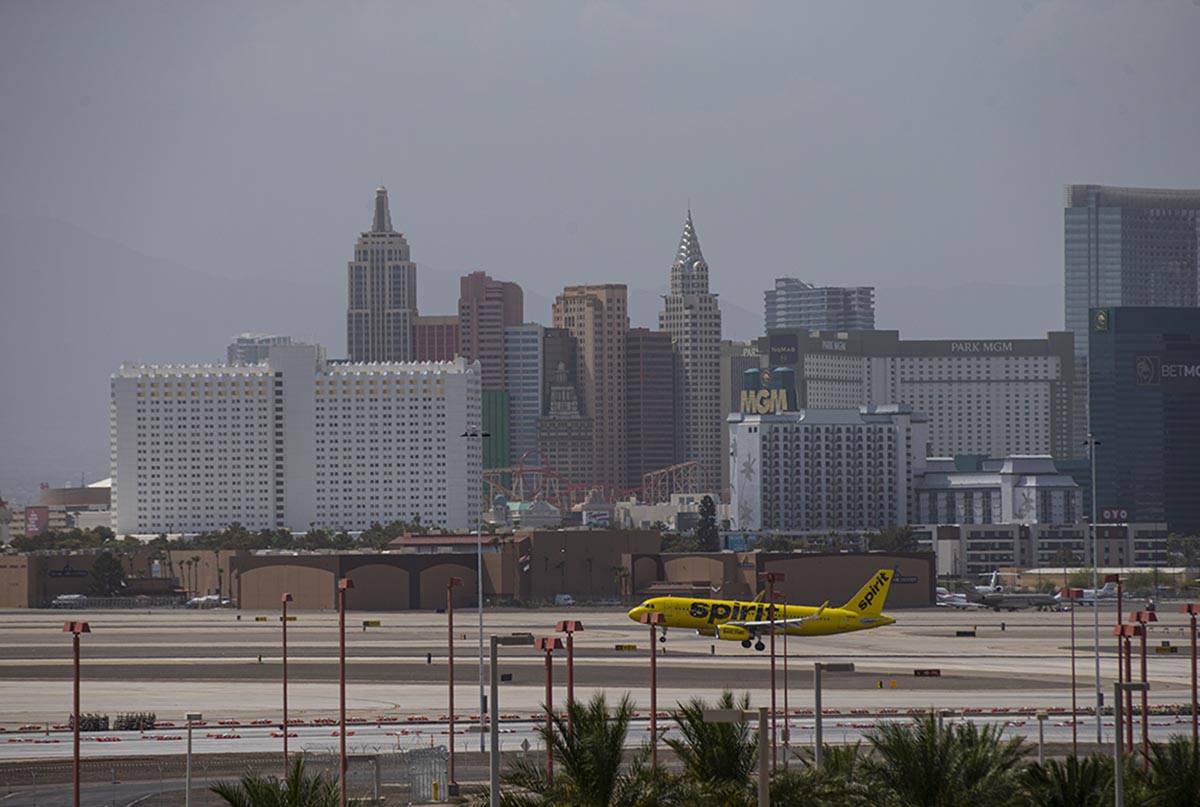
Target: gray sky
898,144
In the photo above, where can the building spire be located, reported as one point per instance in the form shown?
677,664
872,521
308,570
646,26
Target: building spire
382,222
689,245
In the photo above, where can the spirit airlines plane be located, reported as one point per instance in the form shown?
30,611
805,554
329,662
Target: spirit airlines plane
748,621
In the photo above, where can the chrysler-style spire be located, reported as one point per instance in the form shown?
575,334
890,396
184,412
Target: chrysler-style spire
689,245
689,273
383,217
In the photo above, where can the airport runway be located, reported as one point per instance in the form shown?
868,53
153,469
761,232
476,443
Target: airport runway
227,668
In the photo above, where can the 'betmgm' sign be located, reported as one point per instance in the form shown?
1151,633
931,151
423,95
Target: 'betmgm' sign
768,392
1151,371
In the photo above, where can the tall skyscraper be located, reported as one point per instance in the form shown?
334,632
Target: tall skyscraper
651,402
1145,414
382,286
692,317
736,358
796,304
1130,247
598,318
565,434
485,308
524,382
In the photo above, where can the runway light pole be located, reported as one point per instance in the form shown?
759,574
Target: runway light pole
192,719
738,716
1192,610
818,739
284,599
772,578
1127,689
1143,618
1116,578
548,645
653,620
76,628
451,783
481,435
787,732
1125,634
344,585
1092,442
525,639
570,627
1074,595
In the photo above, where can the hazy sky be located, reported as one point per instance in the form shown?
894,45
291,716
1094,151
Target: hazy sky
891,143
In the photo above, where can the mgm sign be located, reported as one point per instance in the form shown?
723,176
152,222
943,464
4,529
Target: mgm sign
768,392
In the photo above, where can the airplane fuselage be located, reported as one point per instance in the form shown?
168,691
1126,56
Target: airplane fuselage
704,616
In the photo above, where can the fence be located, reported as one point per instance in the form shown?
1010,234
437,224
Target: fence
375,775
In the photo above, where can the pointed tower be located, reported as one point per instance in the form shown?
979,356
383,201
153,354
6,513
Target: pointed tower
693,318
382,292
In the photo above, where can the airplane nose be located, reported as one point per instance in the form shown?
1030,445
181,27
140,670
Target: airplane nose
636,613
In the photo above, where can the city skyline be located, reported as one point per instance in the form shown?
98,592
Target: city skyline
181,169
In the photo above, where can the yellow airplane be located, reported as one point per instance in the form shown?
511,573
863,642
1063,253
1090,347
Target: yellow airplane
748,621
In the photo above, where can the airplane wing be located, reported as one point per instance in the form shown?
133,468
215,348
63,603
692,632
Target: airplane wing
780,623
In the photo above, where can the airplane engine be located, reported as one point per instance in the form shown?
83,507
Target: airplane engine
707,631
733,633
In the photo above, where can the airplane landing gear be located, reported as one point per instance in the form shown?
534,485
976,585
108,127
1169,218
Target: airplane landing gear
663,637
746,643
759,646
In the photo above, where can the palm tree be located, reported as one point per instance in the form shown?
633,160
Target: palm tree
1174,776
1074,782
588,751
718,758
298,790
839,780
923,765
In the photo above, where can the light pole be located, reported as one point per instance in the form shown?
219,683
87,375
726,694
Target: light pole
819,751
284,599
1125,634
1041,719
772,578
1074,594
548,645
570,627
525,639
481,435
1143,618
451,783
1092,442
344,585
1192,610
1118,752
192,718
738,716
653,620
76,628
787,733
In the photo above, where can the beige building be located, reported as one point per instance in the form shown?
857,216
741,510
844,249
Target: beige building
382,289
485,308
693,318
598,318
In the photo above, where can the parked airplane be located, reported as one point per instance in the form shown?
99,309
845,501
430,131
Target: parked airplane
748,621
948,599
998,597
1089,596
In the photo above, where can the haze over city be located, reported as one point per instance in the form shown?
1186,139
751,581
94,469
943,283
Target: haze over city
175,173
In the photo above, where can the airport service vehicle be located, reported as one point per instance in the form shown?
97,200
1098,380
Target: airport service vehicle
564,599
747,621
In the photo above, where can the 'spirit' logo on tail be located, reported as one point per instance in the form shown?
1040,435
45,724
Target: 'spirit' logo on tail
880,580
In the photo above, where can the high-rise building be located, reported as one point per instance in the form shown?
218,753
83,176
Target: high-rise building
1024,489
1144,377
651,403
485,308
565,435
995,397
251,348
693,318
826,470
736,358
524,382
435,338
1125,247
794,303
598,318
558,348
382,286
296,441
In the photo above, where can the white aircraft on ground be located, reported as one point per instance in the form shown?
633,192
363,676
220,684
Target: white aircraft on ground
948,599
1090,596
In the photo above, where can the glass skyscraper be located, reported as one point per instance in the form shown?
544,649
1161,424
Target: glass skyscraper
1125,247
796,304
1144,384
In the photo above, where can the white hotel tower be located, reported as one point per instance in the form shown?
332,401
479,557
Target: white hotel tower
296,441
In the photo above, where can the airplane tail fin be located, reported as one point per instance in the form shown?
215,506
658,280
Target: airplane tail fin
871,597
762,595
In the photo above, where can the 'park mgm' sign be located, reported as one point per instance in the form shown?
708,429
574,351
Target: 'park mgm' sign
768,392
